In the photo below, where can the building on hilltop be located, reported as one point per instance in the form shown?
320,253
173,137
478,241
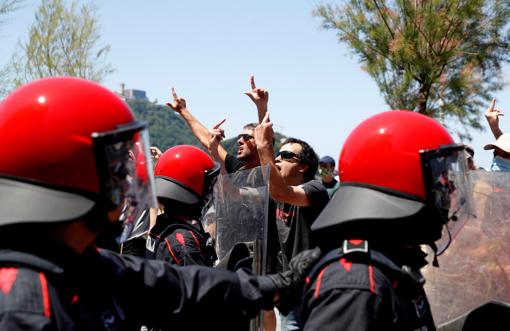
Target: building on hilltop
132,94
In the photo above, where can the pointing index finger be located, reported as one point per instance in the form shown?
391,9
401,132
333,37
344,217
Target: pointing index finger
219,124
252,82
266,118
174,94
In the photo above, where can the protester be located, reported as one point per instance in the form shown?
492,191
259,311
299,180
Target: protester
327,175
247,156
501,147
371,232
297,196
71,140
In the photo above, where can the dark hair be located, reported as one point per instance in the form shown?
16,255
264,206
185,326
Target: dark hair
250,126
307,156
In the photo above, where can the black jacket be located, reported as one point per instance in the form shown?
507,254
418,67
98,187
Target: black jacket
366,291
44,285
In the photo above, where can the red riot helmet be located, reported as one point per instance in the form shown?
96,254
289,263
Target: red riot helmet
185,174
402,175
66,151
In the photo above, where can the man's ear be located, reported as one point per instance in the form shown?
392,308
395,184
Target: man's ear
303,168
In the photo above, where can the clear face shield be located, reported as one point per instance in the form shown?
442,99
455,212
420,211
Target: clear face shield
125,173
447,189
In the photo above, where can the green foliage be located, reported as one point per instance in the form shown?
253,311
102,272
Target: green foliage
6,7
441,58
167,129
63,41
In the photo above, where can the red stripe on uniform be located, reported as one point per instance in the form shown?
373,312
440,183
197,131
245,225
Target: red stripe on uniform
318,286
172,252
45,295
346,264
7,279
371,278
196,240
180,238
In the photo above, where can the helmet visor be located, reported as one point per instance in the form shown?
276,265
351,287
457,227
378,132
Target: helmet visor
125,169
448,190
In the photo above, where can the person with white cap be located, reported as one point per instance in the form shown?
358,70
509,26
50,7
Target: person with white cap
501,146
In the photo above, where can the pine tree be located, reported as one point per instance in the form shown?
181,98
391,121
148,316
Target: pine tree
442,58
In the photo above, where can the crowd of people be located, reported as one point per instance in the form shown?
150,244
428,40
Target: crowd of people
93,237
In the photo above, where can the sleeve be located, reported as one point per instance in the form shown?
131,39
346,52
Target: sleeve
181,247
232,164
22,300
24,321
161,295
317,193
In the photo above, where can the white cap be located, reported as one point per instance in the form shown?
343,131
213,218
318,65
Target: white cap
503,142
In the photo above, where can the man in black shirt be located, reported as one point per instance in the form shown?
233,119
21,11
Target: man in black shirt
298,199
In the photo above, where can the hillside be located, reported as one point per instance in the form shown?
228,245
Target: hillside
167,129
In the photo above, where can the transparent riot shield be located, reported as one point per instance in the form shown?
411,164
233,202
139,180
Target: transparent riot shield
476,267
241,204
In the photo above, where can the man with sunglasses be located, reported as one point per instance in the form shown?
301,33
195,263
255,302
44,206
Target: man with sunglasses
247,156
404,184
69,177
298,198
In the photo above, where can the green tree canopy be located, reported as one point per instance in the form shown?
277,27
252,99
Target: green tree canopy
63,41
6,7
442,58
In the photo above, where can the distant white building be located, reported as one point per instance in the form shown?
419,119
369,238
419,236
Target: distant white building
132,94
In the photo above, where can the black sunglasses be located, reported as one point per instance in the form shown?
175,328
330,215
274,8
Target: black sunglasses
287,155
244,136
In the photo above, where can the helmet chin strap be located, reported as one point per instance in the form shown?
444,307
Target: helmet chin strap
433,245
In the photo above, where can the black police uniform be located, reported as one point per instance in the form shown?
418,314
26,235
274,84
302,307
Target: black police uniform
354,288
44,285
180,244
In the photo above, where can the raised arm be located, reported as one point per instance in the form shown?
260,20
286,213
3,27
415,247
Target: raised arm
492,115
216,135
278,187
260,98
199,130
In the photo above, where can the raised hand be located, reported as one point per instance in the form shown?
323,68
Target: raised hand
216,135
155,152
264,133
179,103
492,113
258,95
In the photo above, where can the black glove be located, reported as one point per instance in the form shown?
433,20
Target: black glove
289,284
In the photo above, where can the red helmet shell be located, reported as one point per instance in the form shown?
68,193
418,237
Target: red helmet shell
186,165
383,151
46,128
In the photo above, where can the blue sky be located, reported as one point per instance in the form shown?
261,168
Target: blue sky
208,49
